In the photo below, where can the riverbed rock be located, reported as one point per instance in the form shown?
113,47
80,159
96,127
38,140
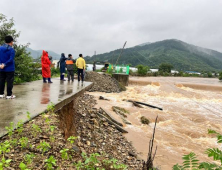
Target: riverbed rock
132,154
105,138
75,148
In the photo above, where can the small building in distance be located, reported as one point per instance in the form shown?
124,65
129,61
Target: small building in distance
193,72
174,72
156,70
55,63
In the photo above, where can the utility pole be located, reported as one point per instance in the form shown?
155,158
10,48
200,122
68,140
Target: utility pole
121,52
112,57
94,63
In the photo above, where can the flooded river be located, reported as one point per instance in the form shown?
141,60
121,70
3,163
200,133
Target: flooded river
191,106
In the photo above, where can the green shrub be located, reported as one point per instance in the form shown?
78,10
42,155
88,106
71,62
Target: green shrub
43,146
50,163
25,69
142,70
23,166
209,74
23,142
155,74
55,72
94,162
165,67
4,163
191,162
220,75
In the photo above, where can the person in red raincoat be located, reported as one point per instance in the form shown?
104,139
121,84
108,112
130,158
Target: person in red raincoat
46,72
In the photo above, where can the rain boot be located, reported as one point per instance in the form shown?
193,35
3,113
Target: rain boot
44,80
63,79
49,80
60,77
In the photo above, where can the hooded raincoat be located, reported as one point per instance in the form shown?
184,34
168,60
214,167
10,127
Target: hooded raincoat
62,62
46,72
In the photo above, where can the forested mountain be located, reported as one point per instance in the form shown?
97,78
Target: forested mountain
181,55
37,53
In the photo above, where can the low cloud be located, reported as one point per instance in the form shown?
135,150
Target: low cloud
83,26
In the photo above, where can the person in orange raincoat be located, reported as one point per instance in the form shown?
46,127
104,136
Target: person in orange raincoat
46,72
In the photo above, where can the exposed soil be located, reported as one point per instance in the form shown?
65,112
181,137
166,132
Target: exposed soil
95,135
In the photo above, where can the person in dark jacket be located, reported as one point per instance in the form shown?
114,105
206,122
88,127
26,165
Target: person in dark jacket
70,67
7,67
62,62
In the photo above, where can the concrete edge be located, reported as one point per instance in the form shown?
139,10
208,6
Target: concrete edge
66,101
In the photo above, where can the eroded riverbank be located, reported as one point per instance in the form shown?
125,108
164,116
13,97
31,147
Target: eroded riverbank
182,126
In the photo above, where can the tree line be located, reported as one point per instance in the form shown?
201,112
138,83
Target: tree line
165,69
25,68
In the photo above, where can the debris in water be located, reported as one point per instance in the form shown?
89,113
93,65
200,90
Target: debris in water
119,111
149,163
103,98
108,115
134,103
144,120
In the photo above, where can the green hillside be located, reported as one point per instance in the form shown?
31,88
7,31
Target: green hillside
37,53
181,55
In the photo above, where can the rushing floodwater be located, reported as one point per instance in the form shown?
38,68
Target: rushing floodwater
182,125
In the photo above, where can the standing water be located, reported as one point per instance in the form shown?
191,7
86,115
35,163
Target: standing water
188,113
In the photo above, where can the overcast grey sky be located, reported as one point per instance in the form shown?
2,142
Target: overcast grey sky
83,26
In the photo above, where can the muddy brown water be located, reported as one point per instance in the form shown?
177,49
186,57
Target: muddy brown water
182,125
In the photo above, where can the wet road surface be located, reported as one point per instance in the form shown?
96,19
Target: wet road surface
34,97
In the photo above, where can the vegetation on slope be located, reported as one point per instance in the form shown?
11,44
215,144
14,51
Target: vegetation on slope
180,55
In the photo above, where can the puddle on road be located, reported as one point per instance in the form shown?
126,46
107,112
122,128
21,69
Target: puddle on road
182,125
